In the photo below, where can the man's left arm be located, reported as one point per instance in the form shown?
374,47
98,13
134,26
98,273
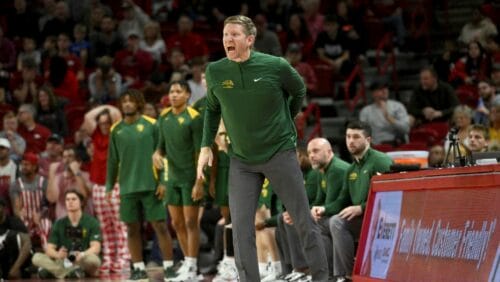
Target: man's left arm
293,84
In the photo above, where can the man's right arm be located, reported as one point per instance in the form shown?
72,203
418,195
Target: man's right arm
212,114
112,164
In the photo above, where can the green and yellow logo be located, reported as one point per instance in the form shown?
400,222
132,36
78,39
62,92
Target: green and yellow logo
323,184
180,120
353,176
228,84
140,127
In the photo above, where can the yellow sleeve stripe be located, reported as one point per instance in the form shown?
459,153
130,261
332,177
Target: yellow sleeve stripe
165,111
149,119
114,125
192,112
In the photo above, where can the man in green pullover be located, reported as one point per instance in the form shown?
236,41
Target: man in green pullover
333,171
131,145
258,96
345,213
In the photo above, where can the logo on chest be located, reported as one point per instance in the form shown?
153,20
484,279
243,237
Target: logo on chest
180,120
140,127
353,176
228,84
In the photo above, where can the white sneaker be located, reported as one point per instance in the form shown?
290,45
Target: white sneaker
187,272
273,271
295,276
226,271
185,277
307,278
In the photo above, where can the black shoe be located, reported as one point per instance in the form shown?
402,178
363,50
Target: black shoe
45,274
76,273
138,275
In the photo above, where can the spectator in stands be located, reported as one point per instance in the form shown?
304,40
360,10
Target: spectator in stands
105,84
50,112
477,29
432,100
34,134
196,84
47,12
7,58
313,17
470,69
156,88
75,238
17,143
294,56
391,14
29,202
134,20
97,124
22,21
134,64
350,23
177,67
52,154
266,40
461,122
387,118
105,42
492,48
150,110
8,171
348,208
5,106
494,131
436,156
152,42
297,32
71,177
63,81
445,61
80,47
73,61
478,138
191,43
24,84
495,77
49,50
96,14
30,51
331,47
487,98
61,23
16,242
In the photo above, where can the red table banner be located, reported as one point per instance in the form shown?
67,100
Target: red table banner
435,225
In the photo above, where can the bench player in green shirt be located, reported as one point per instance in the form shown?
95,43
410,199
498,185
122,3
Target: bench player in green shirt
180,128
258,96
131,144
344,215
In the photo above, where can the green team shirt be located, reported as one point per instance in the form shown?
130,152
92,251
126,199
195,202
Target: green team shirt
258,100
331,182
200,106
311,180
357,181
179,138
90,231
130,151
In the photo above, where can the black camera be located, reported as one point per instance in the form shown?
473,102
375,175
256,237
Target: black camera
75,234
